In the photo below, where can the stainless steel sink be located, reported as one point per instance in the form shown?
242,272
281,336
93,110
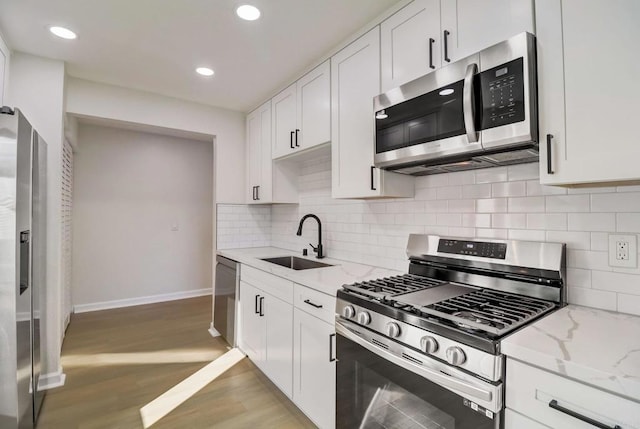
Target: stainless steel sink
296,263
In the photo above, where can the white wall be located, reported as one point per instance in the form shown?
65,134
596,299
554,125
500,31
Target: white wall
131,188
493,203
36,86
5,66
85,98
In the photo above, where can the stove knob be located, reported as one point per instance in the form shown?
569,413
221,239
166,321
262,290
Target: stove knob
348,312
455,356
364,318
393,330
429,344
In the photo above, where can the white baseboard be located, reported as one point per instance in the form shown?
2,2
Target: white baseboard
106,305
52,380
213,331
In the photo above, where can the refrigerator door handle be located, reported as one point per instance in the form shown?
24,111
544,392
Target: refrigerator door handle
25,244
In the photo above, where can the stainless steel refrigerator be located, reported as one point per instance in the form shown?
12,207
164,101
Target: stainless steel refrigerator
22,268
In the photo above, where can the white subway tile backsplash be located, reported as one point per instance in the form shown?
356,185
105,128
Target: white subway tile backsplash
579,277
616,202
449,193
476,220
526,205
477,191
509,189
567,204
629,304
628,222
591,221
491,175
526,234
553,221
491,205
524,171
616,282
574,239
593,298
600,241
504,220
498,203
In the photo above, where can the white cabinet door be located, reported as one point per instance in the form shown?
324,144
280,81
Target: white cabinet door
473,25
355,77
586,64
259,162
3,62
252,331
410,43
278,319
314,373
314,107
284,122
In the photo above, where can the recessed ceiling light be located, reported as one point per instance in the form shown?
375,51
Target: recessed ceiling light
204,71
381,115
248,12
62,32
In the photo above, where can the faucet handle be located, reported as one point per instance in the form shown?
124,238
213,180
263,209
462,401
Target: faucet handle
315,249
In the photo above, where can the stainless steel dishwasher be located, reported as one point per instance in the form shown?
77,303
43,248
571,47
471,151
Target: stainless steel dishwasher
224,304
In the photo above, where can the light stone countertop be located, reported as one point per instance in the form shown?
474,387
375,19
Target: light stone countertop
596,347
327,279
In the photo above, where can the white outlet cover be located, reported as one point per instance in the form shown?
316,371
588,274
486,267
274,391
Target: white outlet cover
632,239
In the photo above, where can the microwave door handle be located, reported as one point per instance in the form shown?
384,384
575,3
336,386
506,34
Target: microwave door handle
468,104
434,376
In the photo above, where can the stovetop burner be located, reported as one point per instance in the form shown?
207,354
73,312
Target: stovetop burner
469,315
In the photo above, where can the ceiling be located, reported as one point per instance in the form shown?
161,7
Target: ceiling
155,45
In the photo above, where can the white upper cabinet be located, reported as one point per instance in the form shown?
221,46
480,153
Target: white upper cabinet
410,43
473,25
3,62
284,122
428,34
259,164
355,77
302,113
588,90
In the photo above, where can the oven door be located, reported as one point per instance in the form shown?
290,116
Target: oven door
382,384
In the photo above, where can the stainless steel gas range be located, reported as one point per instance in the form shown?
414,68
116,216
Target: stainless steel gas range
422,350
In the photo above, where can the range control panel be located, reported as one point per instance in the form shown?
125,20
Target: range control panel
481,249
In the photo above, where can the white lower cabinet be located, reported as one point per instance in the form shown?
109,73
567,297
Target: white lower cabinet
554,401
266,330
288,331
314,368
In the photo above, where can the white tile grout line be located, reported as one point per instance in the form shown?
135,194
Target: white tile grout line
172,398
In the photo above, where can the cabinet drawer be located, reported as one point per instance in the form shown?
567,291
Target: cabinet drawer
530,390
513,420
274,285
316,303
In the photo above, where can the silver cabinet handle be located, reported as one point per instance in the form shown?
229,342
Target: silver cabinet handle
467,103
431,375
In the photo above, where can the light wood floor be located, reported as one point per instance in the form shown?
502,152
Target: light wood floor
117,361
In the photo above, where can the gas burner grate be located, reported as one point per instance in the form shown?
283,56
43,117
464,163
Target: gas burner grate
386,288
489,310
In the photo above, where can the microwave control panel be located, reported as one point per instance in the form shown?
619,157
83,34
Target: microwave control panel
502,94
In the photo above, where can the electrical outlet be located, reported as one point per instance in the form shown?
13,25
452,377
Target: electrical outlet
623,250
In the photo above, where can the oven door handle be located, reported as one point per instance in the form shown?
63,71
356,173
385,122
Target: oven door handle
468,103
436,377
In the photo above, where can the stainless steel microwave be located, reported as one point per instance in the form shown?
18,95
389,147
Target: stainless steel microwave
478,112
